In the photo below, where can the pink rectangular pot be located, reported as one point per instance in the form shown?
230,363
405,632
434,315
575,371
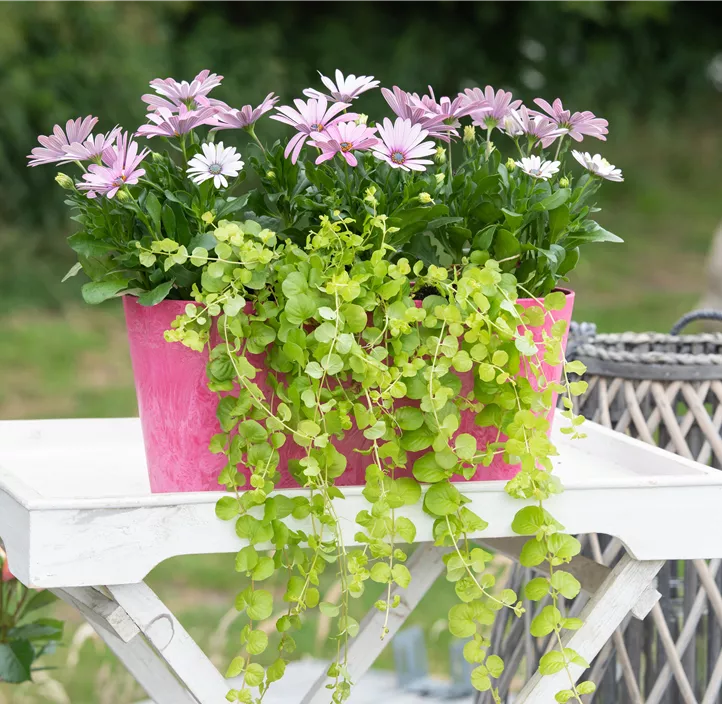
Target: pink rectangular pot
178,412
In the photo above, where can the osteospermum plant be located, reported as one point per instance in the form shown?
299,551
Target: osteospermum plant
379,266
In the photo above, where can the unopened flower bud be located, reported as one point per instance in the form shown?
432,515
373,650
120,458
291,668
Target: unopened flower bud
424,197
123,196
439,179
510,164
564,182
370,195
64,181
440,156
469,134
362,119
157,157
270,175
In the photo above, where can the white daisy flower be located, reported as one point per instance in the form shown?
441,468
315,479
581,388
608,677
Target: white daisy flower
534,166
216,162
345,89
598,165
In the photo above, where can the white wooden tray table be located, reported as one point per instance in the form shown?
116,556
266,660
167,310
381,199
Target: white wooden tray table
77,517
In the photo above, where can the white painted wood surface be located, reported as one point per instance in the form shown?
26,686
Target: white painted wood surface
75,508
602,615
172,643
140,658
76,512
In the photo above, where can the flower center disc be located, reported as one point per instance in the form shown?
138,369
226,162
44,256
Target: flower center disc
346,146
398,157
316,127
215,168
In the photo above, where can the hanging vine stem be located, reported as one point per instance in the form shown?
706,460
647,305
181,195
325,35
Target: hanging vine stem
411,347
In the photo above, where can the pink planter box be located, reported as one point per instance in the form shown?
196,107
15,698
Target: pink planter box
178,412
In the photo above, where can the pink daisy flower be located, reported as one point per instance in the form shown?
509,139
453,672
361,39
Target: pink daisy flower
93,147
577,124
246,116
345,89
410,107
53,146
491,107
169,124
121,169
533,124
202,84
449,110
311,116
172,95
403,145
344,138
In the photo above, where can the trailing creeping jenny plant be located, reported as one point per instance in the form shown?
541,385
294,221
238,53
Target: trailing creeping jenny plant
366,288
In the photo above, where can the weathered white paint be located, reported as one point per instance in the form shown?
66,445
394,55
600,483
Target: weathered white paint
75,508
172,642
97,607
140,658
604,612
76,511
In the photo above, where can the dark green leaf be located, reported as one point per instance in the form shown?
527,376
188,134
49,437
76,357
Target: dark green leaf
168,218
88,246
553,201
232,205
95,292
152,205
151,298
506,245
40,600
42,629
15,661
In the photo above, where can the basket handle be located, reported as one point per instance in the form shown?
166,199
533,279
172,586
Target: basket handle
702,314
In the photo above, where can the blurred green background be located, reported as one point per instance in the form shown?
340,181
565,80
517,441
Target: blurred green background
653,69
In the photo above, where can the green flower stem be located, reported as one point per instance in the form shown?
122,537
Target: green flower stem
251,131
468,569
330,352
434,359
451,170
150,184
139,211
557,633
182,140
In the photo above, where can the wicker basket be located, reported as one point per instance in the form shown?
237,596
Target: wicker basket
664,389
667,391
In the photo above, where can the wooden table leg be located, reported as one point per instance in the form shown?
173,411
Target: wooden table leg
425,565
172,642
615,598
123,637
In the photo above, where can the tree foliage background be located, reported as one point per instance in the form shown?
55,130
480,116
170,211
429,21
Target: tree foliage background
628,61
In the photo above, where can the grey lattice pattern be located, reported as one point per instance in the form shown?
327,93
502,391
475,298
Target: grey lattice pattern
667,391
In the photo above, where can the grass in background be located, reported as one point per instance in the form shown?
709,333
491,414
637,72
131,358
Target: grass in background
74,363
